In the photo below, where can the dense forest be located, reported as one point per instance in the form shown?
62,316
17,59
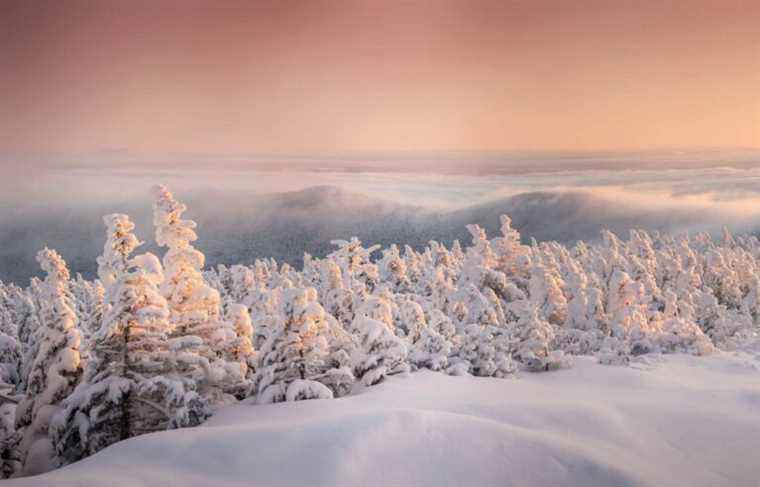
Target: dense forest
160,343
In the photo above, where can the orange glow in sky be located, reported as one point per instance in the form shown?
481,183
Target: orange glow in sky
327,77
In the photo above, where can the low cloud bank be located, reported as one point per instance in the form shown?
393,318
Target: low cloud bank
245,215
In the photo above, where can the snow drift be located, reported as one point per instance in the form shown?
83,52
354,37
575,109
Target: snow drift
677,420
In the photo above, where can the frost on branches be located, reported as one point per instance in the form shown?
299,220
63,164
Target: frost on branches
130,385
380,351
56,367
194,306
297,353
158,344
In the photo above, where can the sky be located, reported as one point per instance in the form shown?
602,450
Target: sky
331,77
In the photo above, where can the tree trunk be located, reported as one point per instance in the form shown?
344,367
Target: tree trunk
126,402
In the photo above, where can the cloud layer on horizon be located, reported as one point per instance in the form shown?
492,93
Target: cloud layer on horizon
245,214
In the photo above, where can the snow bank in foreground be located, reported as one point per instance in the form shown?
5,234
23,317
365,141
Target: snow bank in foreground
677,420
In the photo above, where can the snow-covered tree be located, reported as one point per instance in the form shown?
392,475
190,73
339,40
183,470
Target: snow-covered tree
297,352
355,264
337,300
546,292
10,375
434,345
131,385
89,297
10,437
194,305
485,351
512,258
242,349
56,368
380,352
680,334
235,339
534,339
392,268
10,363
163,342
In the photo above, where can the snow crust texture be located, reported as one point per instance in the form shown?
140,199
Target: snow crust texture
674,421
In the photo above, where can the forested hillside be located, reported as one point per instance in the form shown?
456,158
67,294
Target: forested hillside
162,343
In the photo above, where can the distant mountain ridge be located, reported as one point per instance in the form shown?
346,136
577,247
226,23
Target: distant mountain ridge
240,227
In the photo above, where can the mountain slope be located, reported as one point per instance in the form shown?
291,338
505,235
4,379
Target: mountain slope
589,425
237,226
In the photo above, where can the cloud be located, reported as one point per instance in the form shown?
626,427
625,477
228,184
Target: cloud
246,213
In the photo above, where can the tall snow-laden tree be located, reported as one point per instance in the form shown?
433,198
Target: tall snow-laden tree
56,368
131,385
120,243
194,306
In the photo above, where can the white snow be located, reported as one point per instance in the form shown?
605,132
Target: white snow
666,420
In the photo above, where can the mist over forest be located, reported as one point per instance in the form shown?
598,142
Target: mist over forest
246,213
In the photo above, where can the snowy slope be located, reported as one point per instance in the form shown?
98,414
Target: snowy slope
675,420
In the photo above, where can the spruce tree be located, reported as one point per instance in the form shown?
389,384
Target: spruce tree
130,386
56,368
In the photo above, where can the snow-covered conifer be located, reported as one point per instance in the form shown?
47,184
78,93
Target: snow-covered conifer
56,368
297,352
546,292
356,266
380,353
679,334
410,320
89,297
194,305
534,338
10,458
434,344
131,385
485,351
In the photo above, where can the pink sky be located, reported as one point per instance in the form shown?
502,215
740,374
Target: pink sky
326,77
